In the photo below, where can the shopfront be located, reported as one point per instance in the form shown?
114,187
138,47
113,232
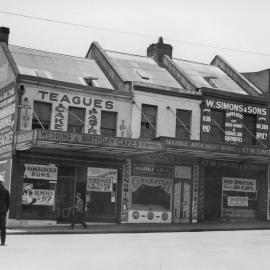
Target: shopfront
159,189
52,166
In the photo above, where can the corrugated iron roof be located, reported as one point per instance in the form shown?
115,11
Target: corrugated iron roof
58,67
142,69
203,75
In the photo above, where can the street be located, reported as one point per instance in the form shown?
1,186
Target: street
174,251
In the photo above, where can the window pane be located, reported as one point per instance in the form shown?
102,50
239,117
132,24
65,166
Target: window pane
108,123
42,111
217,126
76,119
148,122
249,121
183,122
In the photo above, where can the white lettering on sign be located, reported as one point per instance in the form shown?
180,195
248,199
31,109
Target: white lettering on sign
238,184
240,108
237,201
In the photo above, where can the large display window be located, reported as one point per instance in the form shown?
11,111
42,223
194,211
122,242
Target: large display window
38,193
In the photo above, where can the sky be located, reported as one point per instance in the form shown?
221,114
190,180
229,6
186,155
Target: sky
238,30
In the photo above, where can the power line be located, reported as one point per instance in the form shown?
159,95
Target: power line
134,34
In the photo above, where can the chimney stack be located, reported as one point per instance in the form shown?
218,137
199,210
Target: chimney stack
159,49
4,34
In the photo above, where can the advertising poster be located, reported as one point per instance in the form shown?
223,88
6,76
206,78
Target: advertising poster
32,196
101,179
239,184
237,201
43,172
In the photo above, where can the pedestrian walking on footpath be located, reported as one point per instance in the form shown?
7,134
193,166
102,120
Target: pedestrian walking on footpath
78,212
4,206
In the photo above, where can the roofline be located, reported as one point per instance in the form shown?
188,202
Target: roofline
235,96
73,86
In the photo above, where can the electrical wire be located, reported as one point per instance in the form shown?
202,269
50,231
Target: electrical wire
134,34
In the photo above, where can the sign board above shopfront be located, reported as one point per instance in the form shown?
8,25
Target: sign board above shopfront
214,147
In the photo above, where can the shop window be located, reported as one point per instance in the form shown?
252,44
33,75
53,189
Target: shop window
41,115
249,129
108,123
148,121
154,197
217,128
183,124
76,119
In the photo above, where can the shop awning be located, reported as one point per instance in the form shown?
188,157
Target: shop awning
217,151
73,142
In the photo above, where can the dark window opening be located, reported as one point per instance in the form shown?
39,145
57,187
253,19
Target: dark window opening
148,121
41,115
217,128
249,129
76,120
154,197
183,124
108,123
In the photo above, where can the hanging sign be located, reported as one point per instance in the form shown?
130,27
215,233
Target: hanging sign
38,171
237,201
238,184
101,179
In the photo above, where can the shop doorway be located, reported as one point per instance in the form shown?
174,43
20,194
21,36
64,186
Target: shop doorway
64,199
213,194
181,205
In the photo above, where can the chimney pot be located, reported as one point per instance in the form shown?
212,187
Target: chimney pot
4,34
159,49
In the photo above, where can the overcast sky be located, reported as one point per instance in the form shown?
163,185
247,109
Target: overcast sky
130,26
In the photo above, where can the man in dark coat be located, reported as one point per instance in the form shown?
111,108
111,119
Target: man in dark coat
4,206
78,215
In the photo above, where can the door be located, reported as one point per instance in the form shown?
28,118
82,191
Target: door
212,198
64,199
181,207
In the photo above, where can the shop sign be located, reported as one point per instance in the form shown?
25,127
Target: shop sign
44,172
236,107
87,139
238,184
32,196
101,179
214,147
24,140
125,204
183,172
237,201
7,120
195,195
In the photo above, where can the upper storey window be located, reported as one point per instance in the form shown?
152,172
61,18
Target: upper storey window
217,130
249,129
108,123
41,115
183,124
148,121
76,120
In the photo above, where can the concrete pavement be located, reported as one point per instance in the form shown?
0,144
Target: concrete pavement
141,228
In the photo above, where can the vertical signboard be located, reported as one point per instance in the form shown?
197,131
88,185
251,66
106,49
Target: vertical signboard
125,191
195,194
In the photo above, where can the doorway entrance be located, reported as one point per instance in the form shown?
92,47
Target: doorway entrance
181,205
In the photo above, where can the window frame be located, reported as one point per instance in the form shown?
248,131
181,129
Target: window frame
74,127
146,123
35,122
114,129
187,135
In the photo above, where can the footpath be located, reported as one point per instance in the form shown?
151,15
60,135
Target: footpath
141,228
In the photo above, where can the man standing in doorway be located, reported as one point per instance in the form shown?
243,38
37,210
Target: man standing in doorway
4,206
78,216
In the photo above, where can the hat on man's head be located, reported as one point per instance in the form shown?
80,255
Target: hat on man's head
2,178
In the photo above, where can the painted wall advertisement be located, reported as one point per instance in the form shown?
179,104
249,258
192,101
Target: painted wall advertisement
101,179
234,119
33,196
7,121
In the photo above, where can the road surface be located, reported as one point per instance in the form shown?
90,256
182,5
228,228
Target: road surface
160,251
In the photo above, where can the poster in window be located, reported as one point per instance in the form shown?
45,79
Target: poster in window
101,179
